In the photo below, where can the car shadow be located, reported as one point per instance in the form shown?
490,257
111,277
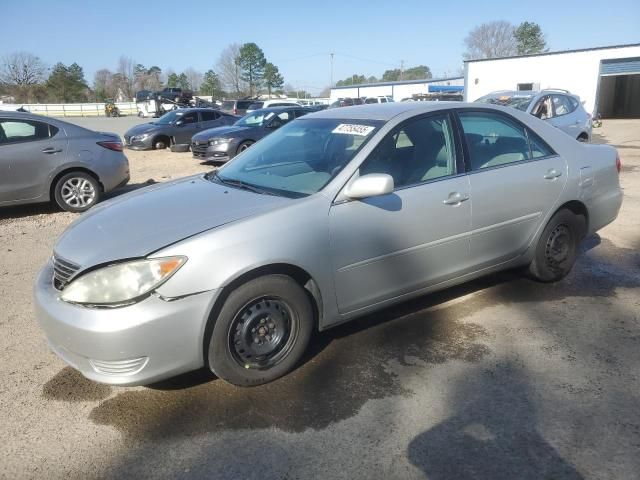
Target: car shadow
492,433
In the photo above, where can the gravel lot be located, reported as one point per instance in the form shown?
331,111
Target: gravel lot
498,378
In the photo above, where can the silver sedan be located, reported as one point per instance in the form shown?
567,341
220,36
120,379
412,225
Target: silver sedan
335,215
44,159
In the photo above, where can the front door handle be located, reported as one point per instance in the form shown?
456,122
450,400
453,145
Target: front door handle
51,150
456,198
552,174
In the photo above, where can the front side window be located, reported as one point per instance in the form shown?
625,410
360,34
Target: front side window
300,158
419,151
493,139
191,117
15,131
371,100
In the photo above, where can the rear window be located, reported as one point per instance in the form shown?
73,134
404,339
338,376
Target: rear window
243,105
227,105
256,106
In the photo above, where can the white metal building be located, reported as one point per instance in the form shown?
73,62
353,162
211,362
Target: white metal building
607,79
396,90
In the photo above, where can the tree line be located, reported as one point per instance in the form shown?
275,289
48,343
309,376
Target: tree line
241,71
488,40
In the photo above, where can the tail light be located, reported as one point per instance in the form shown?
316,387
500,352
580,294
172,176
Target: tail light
618,162
111,145
235,111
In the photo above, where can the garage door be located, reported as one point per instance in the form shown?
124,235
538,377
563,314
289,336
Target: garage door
620,66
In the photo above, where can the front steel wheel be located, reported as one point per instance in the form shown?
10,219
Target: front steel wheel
261,332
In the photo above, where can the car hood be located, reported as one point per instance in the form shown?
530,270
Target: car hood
141,222
222,132
143,128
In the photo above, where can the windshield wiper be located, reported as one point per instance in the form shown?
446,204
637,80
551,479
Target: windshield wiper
243,185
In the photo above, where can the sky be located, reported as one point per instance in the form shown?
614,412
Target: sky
367,37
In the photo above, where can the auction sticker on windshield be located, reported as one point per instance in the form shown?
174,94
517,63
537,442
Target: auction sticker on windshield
353,129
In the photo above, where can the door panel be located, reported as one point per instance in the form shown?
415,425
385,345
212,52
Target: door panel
417,236
390,245
516,179
508,205
25,165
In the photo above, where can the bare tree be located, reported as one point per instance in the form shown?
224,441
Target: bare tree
229,70
22,68
126,76
491,40
194,77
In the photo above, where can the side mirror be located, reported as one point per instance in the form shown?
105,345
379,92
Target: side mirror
179,123
370,185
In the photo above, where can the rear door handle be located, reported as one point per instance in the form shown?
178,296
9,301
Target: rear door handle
51,150
552,174
456,198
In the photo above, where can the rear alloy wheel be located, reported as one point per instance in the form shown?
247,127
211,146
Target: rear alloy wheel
243,146
77,192
583,139
261,332
557,247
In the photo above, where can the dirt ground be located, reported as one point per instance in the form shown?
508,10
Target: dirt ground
499,378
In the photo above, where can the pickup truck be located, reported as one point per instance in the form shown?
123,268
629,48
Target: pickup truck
175,94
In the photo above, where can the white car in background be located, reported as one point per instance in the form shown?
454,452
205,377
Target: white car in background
379,99
272,103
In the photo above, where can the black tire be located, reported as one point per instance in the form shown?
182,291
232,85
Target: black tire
243,146
160,143
261,332
77,192
557,247
583,138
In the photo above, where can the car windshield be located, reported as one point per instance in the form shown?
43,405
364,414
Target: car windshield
300,158
169,117
519,101
255,119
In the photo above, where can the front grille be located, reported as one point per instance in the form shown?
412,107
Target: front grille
127,140
63,271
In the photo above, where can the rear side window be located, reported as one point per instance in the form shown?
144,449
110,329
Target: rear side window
207,116
539,147
371,100
16,131
493,139
561,105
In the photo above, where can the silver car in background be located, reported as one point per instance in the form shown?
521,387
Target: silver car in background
334,215
44,159
560,108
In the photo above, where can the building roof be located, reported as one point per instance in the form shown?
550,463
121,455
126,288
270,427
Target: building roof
399,82
558,52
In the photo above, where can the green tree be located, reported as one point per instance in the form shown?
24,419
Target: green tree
417,73
529,39
211,85
391,75
172,80
272,78
252,63
352,80
67,84
183,82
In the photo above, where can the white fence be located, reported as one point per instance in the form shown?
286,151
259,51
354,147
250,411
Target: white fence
71,109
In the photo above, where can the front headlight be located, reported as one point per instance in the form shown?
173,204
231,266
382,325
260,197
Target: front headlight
122,283
136,138
219,141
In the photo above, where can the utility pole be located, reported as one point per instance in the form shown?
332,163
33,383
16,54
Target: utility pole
401,69
331,81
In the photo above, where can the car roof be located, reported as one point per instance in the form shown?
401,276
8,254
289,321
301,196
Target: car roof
276,109
386,111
